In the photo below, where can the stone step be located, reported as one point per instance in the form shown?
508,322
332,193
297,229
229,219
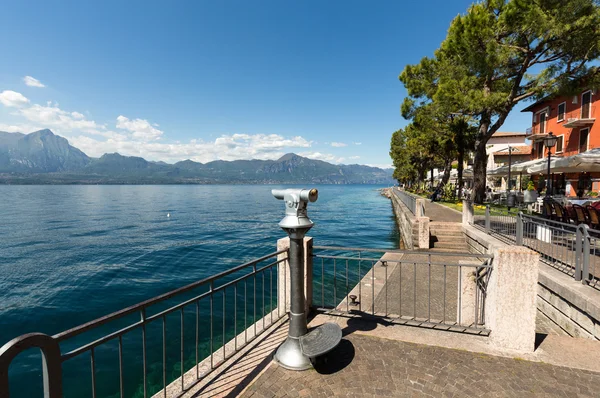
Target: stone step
446,233
445,227
457,246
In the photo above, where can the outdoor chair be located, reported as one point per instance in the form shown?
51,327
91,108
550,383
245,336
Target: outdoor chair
594,217
548,208
581,214
561,213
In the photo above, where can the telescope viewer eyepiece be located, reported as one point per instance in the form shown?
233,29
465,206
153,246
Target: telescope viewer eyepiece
296,220
307,195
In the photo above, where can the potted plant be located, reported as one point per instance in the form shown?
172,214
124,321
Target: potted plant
593,194
530,195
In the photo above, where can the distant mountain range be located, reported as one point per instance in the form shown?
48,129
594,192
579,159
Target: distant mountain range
45,158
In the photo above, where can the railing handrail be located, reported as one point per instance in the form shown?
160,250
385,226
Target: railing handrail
397,251
524,229
144,304
54,355
409,200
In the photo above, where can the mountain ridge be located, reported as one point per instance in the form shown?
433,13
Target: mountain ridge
42,157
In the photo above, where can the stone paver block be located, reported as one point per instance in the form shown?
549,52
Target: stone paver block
372,367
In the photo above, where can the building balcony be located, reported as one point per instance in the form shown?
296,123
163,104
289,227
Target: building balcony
536,133
580,117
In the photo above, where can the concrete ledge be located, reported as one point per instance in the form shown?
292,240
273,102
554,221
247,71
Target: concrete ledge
414,231
481,242
570,304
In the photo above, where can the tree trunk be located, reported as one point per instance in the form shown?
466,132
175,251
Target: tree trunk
479,171
431,177
480,161
447,169
459,169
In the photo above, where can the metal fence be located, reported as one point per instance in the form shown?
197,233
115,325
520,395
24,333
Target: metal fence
409,200
498,222
434,289
572,249
210,319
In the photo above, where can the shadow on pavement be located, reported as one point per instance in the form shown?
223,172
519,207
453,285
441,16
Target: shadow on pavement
335,360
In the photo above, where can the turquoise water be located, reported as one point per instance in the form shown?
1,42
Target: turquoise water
70,254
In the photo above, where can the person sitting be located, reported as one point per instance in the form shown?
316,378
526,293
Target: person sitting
435,196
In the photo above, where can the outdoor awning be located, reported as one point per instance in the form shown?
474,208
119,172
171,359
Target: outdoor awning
467,174
585,161
517,168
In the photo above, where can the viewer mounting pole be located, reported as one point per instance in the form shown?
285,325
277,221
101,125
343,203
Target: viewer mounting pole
299,347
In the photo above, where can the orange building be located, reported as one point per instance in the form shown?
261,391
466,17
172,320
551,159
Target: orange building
571,119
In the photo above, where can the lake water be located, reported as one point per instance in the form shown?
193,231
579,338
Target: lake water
70,254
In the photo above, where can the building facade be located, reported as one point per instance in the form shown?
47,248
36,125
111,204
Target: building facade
572,120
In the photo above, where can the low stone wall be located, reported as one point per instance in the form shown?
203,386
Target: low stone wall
575,308
511,299
414,231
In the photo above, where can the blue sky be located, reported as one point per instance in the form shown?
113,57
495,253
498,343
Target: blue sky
220,79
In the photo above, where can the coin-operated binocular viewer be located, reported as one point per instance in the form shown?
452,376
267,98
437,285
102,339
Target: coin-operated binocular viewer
300,346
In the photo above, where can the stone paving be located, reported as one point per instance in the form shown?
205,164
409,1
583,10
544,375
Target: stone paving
364,366
440,213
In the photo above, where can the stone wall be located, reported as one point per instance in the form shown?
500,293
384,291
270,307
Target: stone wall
574,307
414,231
511,299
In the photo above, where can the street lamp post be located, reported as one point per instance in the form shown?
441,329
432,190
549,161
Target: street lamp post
549,141
510,199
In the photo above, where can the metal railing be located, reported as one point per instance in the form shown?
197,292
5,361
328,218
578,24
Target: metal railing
434,289
223,313
572,249
498,222
409,200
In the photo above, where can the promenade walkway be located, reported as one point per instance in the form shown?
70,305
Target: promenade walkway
365,365
440,213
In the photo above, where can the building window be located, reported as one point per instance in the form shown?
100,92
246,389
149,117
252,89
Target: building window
561,111
540,149
541,119
559,143
583,140
586,99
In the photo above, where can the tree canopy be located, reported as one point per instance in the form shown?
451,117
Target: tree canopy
501,52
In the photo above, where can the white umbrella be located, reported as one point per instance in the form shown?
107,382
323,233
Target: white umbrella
523,167
585,161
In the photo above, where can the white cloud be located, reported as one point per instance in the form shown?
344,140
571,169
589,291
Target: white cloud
51,116
326,157
338,144
13,99
225,147
18,128
33,82
140,128
354,157
140,137
357,143
381,165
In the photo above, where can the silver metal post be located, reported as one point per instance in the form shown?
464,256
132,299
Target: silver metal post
519,231
295,223
300,346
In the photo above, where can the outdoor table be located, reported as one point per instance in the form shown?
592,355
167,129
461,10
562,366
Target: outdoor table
583,202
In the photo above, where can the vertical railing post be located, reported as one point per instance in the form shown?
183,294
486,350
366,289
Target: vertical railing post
578,252
467,215
487,219
585,269
519,231
51,362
